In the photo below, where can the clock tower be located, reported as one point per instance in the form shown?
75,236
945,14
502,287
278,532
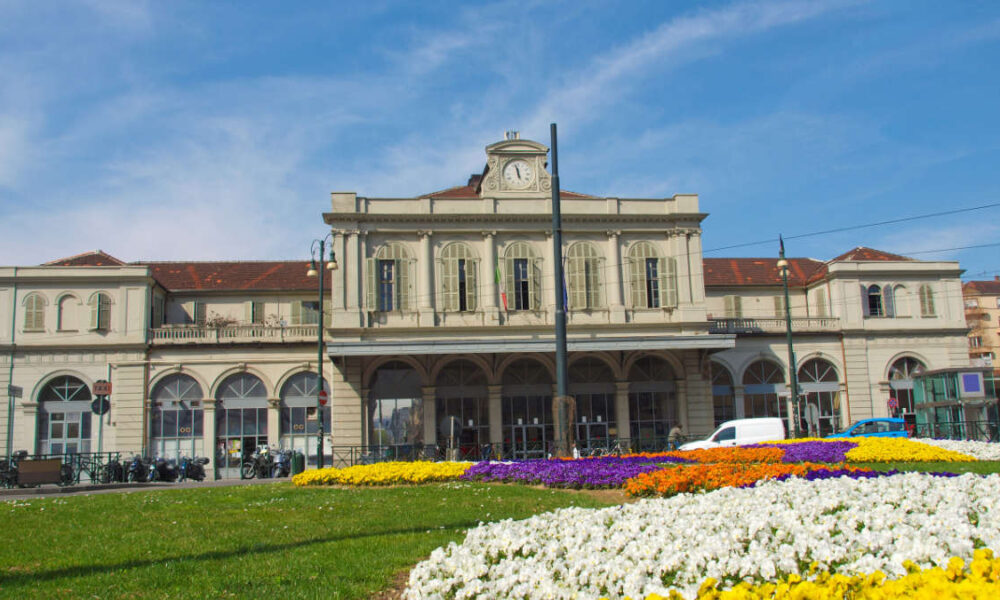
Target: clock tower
516,168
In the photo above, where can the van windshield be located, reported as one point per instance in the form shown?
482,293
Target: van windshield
729,433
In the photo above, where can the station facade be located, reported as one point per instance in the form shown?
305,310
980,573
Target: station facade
438,331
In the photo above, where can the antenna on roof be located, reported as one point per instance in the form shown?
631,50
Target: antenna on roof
511,134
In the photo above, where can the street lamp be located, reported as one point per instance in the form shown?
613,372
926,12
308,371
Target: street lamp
793,376
313,271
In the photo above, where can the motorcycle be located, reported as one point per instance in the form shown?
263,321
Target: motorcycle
192,468
138,469
258,465
163,469
282,464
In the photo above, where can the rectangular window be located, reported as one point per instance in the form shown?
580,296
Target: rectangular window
200,314
976,342
779,306
652,283
522,285
386,285
309,313
156,319
103,313
257,312
733,307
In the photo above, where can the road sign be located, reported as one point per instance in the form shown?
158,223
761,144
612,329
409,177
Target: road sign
100,406
323,397
102,388
893,403
14,391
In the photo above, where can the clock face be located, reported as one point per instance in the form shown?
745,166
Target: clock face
518,173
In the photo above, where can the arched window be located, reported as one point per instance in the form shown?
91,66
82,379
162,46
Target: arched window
462,393
722,394
390,279
395,405
100,312
585,277
762,381
299,424
459,267
926,301
69,314
522,278
526,404
240,421
34,312
901,375
177,418
64,417
872,302
652,402
652,278
818,385
592,385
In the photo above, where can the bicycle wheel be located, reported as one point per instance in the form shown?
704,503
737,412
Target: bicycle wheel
248,470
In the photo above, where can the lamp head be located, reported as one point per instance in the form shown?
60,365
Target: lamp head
782,264
312,270
332,263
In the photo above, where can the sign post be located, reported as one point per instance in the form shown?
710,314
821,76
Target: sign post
100,407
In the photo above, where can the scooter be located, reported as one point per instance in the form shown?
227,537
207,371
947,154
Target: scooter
138,469
282,466
163,470
192,468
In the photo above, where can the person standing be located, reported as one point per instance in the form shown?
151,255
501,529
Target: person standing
676,436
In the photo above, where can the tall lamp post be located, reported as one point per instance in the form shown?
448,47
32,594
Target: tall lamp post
314,270
792,375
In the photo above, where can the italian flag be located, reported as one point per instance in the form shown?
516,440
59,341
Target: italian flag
503,294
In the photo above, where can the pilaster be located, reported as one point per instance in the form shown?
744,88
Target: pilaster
622,417
616,297
496,414
429,414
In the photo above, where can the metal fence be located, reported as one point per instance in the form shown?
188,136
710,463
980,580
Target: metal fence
979,431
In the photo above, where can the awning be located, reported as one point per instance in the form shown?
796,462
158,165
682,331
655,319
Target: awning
547,344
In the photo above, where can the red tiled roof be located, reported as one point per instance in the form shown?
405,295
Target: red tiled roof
868,254
757,271
235,275
982,287
94,258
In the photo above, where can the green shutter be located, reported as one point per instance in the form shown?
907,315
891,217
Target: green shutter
597,266
636,282
95,304
327,312
449,284
371,283
668,282
296,316
779,306
471,289
535,292
508,279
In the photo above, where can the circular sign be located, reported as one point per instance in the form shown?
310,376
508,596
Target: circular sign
323,397
100,406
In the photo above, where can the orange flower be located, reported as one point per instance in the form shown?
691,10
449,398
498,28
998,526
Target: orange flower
705,477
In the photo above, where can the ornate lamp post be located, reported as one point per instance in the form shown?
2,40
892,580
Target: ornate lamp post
313,271
792,375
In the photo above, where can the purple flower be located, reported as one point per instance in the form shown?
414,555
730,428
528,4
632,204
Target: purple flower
605,472
826,452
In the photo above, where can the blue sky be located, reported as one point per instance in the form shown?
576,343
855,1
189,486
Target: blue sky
202,131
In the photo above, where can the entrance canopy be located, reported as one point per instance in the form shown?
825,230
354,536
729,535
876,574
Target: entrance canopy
526,344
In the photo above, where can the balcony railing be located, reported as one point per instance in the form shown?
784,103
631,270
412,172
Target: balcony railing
773,325
233,334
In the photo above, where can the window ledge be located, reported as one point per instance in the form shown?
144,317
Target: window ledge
67,330
33,330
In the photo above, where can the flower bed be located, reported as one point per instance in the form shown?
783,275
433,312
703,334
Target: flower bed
875,449
762,535
387,473
702,478
977,450
602,472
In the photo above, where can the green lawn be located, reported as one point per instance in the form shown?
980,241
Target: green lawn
259,541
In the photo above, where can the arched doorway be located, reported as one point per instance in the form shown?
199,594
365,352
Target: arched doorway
64,417
177,420
526,402
592,385
395,411
820,388
723,399
652,399
299,422
762,382
240,421
461,393
901,375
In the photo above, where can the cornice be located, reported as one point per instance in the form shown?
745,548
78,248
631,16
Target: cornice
481,219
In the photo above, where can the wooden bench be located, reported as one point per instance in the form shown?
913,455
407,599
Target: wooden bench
36,472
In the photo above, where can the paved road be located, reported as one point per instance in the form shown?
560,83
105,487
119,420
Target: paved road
55,491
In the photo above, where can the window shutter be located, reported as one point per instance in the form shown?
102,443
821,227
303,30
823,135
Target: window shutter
668,283
95,307
576,284
327,312
404,291
508,282
536,284
738,304
371,281
471,287
598,278
34,317
636,282
200,316
248,312
888,302
296,316
445,268
926,301
865,307
779,306
821,304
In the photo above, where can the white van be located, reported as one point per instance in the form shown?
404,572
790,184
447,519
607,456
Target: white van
740,432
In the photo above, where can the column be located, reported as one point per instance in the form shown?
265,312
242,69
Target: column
683,391
488,291
338,280
425,287
738,400
622,416
208,438
274,422
616,299
429,413
496,416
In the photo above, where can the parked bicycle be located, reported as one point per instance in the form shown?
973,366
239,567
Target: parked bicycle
8,468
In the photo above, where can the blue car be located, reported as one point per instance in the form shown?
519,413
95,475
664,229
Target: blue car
888,427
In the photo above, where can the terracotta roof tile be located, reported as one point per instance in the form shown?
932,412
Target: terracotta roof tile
982,287
757,271
94,258
234,275
862,254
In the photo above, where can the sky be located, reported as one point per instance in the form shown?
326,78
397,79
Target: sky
216,130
